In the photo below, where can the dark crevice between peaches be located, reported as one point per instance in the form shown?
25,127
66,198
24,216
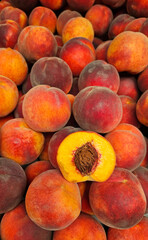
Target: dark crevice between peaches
86,158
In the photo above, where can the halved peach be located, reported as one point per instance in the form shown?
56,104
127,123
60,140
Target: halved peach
86,155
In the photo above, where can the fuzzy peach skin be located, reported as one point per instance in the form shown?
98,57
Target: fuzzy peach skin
54,4
5,119
99,73
63,17
137,8
15,14
25,6
129,86
77,54
142,174
135,24
80,5
52,202
44,153
137,232
144,163
35,42
120,201
101,17
113,3
129,111
9,32
52,71
12,184
97,109
55,141
128,51
124,138
18,110
142,80
13,65
9,96
141,108
118,24
84,227
84,191
16,224
46,109
144,28
34,169
77,27
101,50
19,142
4,4
42,16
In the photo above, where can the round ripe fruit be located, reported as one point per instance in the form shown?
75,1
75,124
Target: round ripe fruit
86,155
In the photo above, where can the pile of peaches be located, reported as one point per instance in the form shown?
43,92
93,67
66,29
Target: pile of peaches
73,119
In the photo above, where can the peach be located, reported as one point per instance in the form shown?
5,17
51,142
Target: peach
93,229
137,8
42,16
97,41
77,55
9,32
141,108
124,138
59,40
3,120
63,18
12,184
34,169
129,111
44,153
118,24
139,231
99,73
84,191
9,96
35,42
25,6
17,71
18,110
83,156
74,89
132,56
135,24
113,3
80,5
15,14
16,224
98,109
142,174
120,201
4,4
101,50
46,109
56,140
19,142
52,202
52,71
129,86
144,163
142,80
101,17
77,27
26,85
54,4
144,28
